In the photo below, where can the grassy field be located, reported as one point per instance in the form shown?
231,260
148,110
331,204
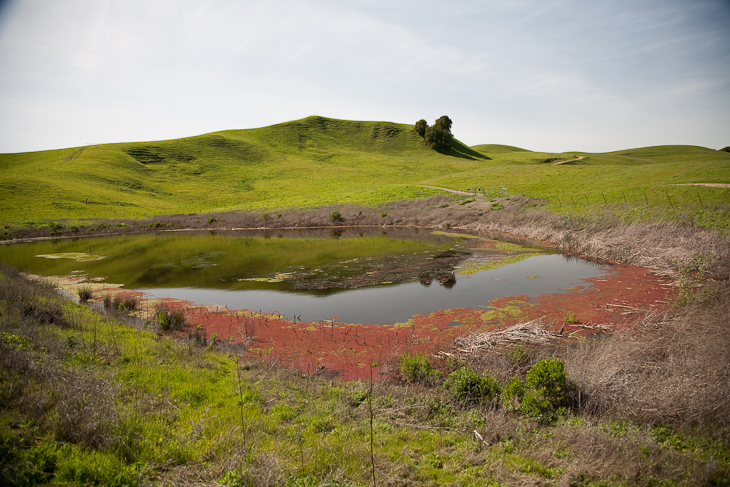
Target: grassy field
318,161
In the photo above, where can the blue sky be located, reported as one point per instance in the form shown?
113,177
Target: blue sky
547,75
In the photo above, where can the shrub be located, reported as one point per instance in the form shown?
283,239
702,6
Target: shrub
546,397
469,387
513,392
84,293
383,214
126,304
335,216
417,369
570,318
170,319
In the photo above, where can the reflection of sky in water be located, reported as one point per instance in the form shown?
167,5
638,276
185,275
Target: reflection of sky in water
397,303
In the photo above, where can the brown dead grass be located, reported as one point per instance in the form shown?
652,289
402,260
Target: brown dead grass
674,369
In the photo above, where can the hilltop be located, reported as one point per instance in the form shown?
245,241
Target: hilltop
314,162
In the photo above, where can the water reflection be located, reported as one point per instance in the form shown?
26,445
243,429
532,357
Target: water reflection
362,275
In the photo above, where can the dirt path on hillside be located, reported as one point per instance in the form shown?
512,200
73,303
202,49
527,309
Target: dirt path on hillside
569,160
708,185
452,191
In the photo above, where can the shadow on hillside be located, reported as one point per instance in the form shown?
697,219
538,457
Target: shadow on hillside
458,149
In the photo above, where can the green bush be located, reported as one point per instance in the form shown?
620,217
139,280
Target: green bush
513,392
417,369
335,216
469,387
547,388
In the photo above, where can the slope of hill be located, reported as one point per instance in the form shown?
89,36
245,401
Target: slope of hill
312,162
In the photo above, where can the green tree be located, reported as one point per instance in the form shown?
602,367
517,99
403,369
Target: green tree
444,123
439,136
421,127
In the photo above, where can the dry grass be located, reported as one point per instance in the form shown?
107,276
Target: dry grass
674,369
663,245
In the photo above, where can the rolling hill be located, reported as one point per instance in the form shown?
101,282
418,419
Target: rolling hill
311,162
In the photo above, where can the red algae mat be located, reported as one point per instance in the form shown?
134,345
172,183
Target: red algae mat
348,351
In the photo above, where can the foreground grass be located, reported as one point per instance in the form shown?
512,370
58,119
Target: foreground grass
88,400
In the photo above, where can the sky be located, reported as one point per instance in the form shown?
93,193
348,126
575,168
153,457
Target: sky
545,75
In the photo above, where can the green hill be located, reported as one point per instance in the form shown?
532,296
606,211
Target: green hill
497,149
312,162
305,162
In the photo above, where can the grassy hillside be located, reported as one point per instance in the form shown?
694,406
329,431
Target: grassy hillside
317,161
305,162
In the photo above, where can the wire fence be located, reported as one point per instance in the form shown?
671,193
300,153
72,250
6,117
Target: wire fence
670,197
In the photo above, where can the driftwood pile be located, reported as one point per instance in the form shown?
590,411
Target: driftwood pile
529,332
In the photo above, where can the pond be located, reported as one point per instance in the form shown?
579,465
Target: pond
353,275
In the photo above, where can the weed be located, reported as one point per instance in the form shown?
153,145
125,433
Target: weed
513,392
570,318
468,387
127,304
335,217
690,281
417,369
547,388
84,292
383,214
170,319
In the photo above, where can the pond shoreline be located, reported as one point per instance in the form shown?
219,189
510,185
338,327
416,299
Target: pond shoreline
665,246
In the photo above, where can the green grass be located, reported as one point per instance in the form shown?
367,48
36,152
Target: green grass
317,161
91,401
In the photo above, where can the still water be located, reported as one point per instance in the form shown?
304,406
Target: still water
357,275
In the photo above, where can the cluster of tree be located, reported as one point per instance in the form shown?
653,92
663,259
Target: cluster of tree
439,135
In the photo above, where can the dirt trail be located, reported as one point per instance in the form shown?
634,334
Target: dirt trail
452,191
709,185
569,160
